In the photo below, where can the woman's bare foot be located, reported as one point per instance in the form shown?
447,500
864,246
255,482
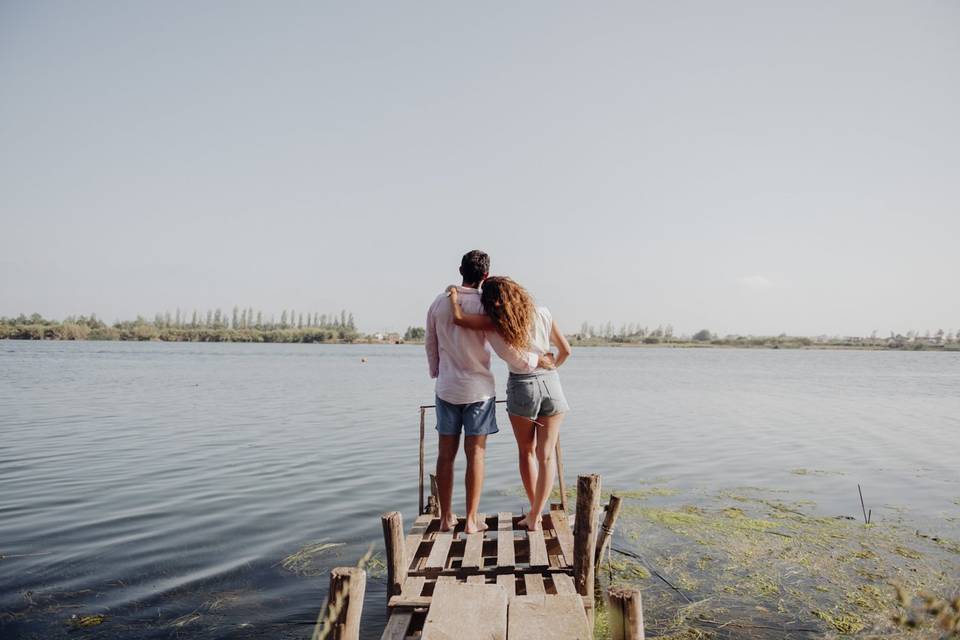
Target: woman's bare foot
530,522
475,526
449,523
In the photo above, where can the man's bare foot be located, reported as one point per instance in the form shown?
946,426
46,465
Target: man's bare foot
530,522
449,523
474,526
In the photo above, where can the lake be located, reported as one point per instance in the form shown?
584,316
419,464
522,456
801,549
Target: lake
163,485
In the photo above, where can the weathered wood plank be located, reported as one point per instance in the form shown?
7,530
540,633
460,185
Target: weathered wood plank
538,549
410,594
546,617
438,554
534,584
412,542
462,611
412,587
564,584
560,524
473,553
397,625
509,582
505,550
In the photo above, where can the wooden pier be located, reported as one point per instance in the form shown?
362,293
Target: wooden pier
501,583
505,582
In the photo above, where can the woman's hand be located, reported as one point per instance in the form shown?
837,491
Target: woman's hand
453,293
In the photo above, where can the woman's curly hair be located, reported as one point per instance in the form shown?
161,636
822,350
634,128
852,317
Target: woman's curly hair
511,309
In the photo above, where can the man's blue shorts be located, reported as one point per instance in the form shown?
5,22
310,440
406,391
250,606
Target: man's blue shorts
476,418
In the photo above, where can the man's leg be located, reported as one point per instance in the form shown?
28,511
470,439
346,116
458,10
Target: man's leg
476,449
446,455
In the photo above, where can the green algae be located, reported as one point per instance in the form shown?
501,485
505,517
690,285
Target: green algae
762,565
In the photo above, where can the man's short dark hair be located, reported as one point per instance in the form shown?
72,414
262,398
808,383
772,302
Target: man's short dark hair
474,266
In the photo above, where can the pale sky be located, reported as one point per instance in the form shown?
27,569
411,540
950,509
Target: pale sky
754,167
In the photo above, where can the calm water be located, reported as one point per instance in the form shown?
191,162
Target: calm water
163,484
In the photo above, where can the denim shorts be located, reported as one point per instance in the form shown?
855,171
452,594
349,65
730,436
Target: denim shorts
475,419
535,395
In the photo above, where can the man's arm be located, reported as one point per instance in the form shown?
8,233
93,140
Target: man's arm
431,345
525,361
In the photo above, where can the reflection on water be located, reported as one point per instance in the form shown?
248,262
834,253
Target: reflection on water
163,485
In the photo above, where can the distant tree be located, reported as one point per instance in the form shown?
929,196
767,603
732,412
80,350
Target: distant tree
702,336
193,319
350,324
414,334
668,332
178,321
209,322
283,319
259,319
300,321
343,318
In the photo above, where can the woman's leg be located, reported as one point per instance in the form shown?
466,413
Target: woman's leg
546,446
526,434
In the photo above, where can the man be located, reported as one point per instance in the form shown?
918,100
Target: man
460,361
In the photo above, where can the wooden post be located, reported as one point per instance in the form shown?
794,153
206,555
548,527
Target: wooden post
606,529
433,502
396,561
563,487
585,534
625,614
423,412
344,604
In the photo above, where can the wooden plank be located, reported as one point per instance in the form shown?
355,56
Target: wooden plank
564,584
538,549
560,524
534,584
397,625
545,617
477,579
412,587
410,594
412,542
473,552
461,611
509,582
438,554
505,551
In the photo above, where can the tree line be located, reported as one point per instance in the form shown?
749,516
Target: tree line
213,325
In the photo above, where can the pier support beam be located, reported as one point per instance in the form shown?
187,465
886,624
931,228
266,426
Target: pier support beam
625,614
606,529
341,620
396,561
585,537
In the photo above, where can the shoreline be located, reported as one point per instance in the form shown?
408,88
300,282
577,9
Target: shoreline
772,345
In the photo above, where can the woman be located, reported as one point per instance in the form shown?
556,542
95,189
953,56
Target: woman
535,401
